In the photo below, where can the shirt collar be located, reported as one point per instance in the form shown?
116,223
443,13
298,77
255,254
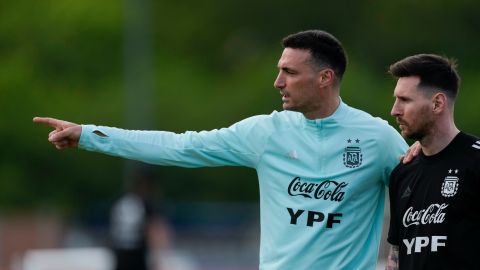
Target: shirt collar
332,119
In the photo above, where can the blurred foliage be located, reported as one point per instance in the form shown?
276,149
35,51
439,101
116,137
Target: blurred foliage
214,63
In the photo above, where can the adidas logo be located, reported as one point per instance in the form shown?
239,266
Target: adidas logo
292,154
407,193
476,145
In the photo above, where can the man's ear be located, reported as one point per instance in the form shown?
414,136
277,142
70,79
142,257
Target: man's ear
326,76
439,102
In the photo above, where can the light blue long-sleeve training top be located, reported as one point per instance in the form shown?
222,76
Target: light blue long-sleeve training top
322,182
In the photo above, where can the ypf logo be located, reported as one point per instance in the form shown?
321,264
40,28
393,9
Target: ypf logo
352,156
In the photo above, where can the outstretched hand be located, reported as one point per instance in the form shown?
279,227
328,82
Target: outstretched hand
65,135
411,153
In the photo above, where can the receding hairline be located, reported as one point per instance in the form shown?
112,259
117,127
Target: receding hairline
326,50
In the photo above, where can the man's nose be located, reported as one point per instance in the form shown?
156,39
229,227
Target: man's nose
279,82
395,110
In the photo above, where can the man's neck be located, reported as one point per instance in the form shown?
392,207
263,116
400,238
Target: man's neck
438,139
327,109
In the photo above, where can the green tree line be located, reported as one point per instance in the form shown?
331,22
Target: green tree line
213,63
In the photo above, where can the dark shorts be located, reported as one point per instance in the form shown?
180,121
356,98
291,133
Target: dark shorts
130,259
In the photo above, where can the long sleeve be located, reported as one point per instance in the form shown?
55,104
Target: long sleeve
238,145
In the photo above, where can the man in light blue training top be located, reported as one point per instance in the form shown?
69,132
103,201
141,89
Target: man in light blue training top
322,165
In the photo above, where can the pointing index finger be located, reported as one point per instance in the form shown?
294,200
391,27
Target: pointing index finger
55,123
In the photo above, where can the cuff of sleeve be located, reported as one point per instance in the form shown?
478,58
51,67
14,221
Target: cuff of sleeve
392,241
84,142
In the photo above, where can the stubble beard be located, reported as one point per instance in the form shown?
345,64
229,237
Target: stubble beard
423,129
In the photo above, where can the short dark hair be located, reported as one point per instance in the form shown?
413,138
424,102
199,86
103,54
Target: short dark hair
435,71
325,49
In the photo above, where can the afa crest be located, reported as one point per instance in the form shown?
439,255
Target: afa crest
352,157
450,186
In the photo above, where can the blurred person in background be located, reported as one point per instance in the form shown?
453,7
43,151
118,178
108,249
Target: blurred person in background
322,165
435,207
137,228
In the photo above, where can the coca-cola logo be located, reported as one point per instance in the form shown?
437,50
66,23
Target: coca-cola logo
326,190
433,214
